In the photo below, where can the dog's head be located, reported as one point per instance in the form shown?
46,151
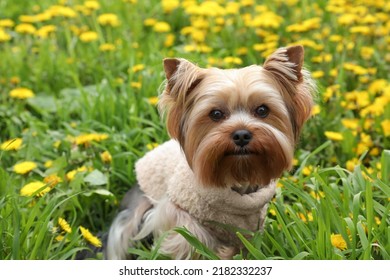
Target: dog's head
238,127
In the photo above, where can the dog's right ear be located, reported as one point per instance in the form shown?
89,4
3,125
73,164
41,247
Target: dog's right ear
182,78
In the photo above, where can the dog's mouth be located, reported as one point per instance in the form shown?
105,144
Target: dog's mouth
240,152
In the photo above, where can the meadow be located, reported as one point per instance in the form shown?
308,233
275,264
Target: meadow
79,83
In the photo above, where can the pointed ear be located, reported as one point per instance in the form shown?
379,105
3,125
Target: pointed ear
170,66
182,78
287,62
285,65
295,55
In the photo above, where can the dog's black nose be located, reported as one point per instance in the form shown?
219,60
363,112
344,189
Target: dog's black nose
241,137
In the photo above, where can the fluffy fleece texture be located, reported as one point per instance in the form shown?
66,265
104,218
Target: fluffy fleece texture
164,174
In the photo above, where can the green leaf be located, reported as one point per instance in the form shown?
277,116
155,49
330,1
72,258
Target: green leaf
58,165
256,253
362,235
385,162
3,181
96,178
43,104
102,192
301,256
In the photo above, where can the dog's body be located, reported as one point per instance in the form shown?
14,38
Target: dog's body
234,134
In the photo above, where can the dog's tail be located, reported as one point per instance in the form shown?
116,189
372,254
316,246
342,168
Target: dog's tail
127,224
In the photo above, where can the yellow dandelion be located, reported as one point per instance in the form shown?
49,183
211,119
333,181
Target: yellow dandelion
14,80
169,40
161,27
89,36
27,19
377,86
306,217
60,238
92,5
45,16
107,47
52,180
317,194
25,28
7,23
48,164
153,100
138,67
352,163
33,187
335,136
109,20
317,74
62,11
151,146
386,127
316,110
90,237
272,212
45,31
307,170
338,241
356,69
266,19
352,124
136,85
86,139
336,38
4,36
106,157
21,93
360,29
12,144
64,225
367,52
24,167
347,19
375,152
309,24
170,5
232,60
150,22
71,174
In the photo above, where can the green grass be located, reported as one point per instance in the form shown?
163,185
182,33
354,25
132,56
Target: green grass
337,186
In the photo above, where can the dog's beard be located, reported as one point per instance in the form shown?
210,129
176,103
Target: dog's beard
217,161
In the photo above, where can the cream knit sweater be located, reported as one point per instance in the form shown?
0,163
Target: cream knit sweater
165,172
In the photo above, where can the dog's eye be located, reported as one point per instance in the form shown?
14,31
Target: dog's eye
262,111
216,115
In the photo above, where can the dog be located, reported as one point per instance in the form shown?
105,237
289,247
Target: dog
233,134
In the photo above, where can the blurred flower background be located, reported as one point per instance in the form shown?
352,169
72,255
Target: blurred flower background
79,82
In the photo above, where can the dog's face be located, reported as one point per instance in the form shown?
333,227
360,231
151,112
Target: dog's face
238,127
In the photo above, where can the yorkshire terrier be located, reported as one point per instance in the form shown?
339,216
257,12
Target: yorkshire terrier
233,135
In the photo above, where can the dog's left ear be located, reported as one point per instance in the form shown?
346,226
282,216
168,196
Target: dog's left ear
296,86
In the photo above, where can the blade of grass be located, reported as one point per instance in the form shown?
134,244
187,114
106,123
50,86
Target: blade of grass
256,253
199,246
